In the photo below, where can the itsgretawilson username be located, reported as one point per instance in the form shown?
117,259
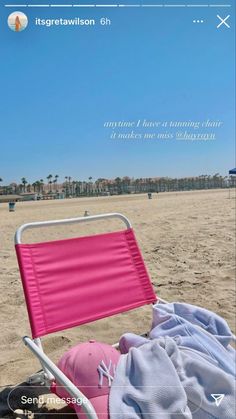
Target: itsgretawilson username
71,22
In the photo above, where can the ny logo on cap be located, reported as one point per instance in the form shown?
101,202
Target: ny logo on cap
106,371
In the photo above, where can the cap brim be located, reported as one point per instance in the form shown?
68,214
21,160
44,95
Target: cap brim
100,404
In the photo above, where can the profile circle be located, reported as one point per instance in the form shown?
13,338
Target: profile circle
17,21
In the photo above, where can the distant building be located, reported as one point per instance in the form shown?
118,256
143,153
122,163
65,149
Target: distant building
28,196
10,198
60,195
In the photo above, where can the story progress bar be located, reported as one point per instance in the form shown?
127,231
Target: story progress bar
120,5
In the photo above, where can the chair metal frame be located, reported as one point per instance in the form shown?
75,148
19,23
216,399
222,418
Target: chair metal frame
50,370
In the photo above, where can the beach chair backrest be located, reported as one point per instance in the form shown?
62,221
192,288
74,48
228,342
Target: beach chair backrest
76,281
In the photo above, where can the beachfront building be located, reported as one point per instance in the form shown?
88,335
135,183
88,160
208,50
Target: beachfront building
9,198
71,188
28,196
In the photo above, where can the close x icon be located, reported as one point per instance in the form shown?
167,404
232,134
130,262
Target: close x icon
223,21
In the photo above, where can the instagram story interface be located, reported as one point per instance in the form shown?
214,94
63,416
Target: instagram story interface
118,144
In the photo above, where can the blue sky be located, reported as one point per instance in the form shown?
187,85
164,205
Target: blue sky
60,84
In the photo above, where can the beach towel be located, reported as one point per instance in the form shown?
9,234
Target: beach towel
161,380
191,327
174,372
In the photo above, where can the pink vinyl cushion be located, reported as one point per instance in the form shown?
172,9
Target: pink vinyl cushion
91,367
76,281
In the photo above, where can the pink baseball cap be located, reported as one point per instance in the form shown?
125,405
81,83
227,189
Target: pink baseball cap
91,367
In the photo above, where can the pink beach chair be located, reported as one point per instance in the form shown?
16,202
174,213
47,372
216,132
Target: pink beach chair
75,281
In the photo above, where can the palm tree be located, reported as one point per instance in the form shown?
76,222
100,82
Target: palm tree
50,186
118,185
34,184
24,182
41,186
136,185
74,183
78,188
216,180
49,177
37,186
69,180
55,181
90,184
66,186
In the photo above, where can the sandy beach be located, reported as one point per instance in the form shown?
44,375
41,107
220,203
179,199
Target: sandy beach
187,240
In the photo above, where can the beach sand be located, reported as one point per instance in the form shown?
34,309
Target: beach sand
187,241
